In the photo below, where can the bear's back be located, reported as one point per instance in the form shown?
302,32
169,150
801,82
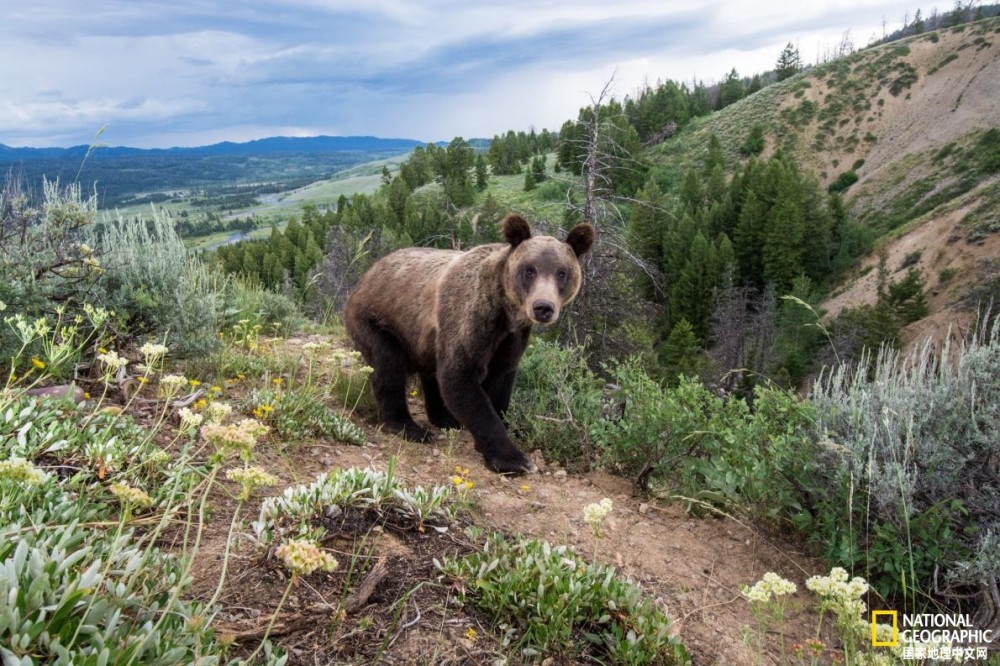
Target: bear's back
401,293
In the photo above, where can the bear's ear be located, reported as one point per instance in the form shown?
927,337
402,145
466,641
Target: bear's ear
515,229
581,238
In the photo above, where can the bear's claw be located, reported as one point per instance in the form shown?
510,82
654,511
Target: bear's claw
511,464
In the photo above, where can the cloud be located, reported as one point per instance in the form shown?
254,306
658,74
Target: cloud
162,71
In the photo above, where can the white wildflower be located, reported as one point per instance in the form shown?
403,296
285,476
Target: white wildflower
216,412
189,419
153,351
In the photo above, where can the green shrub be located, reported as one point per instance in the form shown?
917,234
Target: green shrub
555,603
986,152
300,412
657,429
555,399
248,300
947,274
843,181
754,143
551,190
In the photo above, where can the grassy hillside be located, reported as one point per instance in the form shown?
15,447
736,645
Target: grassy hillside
908,131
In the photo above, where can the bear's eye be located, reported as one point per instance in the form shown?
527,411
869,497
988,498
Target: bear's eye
529,272
561,275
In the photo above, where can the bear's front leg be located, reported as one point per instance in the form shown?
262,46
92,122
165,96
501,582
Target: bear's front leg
468,402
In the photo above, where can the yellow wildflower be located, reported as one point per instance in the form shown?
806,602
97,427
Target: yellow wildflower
37,362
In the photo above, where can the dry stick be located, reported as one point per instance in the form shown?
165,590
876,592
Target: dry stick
359,599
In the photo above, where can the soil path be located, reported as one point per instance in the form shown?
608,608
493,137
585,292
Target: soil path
693,567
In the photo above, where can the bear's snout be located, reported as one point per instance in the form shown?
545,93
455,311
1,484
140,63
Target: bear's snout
543,311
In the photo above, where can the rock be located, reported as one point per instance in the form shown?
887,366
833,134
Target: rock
70,391
538,459
643,508
559,475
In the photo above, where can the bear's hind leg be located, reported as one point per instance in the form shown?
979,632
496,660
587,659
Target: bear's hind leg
437,413
389,362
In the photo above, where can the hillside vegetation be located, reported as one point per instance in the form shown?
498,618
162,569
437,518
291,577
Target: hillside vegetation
191,469
909,133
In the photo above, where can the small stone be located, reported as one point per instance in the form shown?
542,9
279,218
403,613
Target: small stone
643,508
559,475
435,452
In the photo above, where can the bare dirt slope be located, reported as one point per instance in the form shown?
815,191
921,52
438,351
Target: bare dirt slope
952,265
693,567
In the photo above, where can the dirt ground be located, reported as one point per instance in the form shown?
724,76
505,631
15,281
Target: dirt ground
388,603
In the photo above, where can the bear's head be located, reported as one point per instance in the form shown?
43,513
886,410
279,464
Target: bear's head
542,273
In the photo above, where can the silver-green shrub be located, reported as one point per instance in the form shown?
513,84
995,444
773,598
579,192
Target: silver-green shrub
912,445
152,281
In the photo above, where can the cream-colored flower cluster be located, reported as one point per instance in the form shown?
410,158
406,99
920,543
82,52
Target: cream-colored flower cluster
153,351
304,557
841,592
126,494
771,585
251,478
111,361
21,471
216,412
342,355
838,584
170,385
189,419
595,513
313,348
235,437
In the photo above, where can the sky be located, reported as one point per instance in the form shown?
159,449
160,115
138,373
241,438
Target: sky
163,73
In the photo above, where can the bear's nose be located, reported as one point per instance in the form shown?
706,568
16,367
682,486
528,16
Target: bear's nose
543,311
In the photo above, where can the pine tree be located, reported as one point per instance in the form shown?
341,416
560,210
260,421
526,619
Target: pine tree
789,62
529,180
648,221
680,354
481,174
691,296
731,89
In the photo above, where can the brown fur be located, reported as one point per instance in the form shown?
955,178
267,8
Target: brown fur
461,321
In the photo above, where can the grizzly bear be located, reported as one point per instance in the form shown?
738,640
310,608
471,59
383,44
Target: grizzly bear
461,320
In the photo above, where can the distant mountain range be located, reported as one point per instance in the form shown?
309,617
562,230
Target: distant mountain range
275,145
